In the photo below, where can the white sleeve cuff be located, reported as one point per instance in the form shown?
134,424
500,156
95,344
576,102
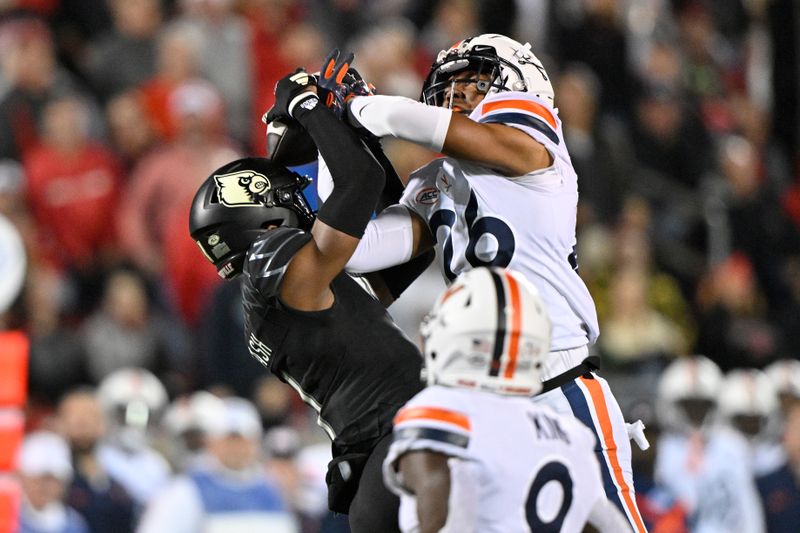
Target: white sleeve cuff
402,118
387,241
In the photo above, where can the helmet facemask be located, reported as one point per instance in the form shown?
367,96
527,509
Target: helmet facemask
443,77
240,201
510,66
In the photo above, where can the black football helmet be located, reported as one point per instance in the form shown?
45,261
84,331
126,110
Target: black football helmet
238,202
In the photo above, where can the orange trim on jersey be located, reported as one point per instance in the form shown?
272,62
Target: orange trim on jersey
599,402
523,105
516,322
433,413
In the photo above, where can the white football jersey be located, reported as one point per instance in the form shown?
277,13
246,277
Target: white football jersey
479,217
533,470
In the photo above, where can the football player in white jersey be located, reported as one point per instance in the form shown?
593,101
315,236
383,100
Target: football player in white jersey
505,195
472,453
704,464
748,403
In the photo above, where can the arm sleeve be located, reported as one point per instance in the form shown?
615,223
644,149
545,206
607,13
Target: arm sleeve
387,241
402,118
358,177
392,190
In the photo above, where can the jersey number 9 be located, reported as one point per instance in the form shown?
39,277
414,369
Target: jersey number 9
555,472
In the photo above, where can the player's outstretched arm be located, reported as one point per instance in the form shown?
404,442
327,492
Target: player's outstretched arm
341,220
500,147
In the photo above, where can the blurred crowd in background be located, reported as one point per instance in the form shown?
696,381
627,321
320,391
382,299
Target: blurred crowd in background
681,117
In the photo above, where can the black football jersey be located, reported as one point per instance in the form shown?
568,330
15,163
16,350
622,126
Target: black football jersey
350,362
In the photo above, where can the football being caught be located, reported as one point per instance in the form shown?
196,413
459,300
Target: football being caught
289,144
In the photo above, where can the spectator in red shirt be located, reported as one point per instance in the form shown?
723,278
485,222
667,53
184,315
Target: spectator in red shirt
177,62
72,188
165,180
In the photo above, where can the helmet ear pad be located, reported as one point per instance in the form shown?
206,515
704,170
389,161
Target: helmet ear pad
241,200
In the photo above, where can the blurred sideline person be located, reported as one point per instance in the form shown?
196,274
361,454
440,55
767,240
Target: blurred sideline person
780,489
44,470
471,452
748,404
94,493
318,329
133,400
505,195
186,424
230,491
785,377
703,463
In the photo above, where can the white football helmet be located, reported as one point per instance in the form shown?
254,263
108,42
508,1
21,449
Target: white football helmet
785,377
687,393
132,396
192,413
512,67
489,330
748,401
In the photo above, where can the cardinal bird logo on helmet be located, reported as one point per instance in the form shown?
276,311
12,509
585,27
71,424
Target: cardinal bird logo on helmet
239,189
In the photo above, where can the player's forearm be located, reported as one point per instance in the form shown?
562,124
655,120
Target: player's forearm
503,148
402,118
392,238
387,241
358,177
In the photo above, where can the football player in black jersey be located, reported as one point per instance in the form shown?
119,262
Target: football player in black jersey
320,330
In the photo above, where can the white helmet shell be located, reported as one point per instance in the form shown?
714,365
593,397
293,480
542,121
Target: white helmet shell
192,412
687,378
135,391
514,67
749,403
489,330
785,376
747,392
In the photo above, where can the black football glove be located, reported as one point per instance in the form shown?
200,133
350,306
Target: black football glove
287,88
339,82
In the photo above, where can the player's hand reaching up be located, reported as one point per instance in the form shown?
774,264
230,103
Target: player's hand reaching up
289,92
341,82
